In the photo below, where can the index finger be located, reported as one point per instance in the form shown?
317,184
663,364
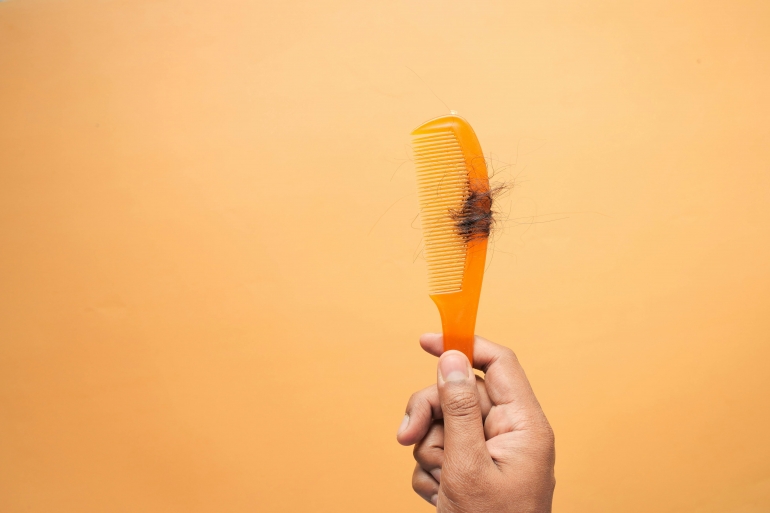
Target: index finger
424,407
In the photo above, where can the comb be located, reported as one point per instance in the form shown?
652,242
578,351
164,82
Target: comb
455,211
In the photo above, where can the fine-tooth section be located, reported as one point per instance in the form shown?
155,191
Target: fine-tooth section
442,180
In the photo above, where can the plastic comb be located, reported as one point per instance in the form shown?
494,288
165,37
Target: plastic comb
453,188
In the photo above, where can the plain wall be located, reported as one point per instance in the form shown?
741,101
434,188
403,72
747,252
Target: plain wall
211,284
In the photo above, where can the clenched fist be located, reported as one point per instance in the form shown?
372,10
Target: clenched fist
481,445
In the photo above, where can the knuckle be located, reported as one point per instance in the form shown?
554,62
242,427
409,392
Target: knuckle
551,447
420,402
428,456
507,355
543,445
418,453
547,435
415,408
413,399
416,484
423,484
416,480
542,434
462,403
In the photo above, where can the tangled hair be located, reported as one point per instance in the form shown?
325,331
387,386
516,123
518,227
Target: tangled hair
476,218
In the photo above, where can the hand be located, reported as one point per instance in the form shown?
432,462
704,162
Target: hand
482,445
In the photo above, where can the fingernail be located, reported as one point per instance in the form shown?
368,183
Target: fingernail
434,499
436,473
404,424
454,366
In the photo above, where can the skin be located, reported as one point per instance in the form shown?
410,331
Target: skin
482,445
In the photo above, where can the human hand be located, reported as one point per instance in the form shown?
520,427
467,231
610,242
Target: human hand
483,445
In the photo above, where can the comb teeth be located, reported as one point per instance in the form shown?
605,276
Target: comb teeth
442,181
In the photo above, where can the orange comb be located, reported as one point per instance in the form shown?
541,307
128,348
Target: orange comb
453,188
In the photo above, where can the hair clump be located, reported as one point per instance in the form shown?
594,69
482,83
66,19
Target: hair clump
475,219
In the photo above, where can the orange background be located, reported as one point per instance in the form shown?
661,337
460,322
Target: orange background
209,297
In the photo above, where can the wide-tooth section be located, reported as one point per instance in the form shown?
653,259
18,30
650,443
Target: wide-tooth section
442,181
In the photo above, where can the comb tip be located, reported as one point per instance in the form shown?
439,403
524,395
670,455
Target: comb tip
440,124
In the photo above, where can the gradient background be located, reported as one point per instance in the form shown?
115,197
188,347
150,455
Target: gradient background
210,281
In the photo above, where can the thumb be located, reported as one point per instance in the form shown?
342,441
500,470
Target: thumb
464,443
